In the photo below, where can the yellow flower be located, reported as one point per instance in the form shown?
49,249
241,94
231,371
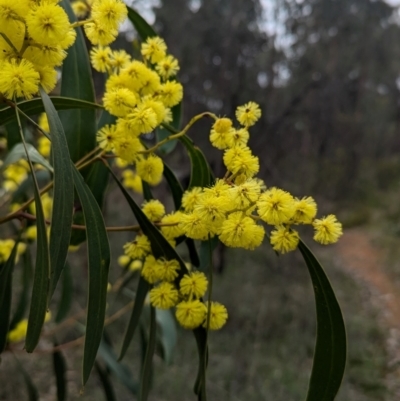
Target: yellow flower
107,137
100,58
211,208
44,146
167,67
150,169
240,137
168,269
153,209
19,332
158,108
154,49
218,316
193,285
194,226
99,35
138,248
43,122
174,230
284,239
239,230
127,148
47,77
109,13
221,135
151,269
306,210
47,24
191,197
143,118
80,8
50,56
119,60
190,314
248,114
119,101
276,206
164,296
239,160
327,230
171,93
131,180
18,79
245,194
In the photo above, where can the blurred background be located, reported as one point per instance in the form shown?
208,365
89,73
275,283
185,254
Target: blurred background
326,74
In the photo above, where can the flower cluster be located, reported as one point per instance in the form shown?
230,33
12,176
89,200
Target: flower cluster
34,37
140,94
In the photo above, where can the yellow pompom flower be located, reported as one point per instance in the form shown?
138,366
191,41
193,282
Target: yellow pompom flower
132,181
51,56
47,77
100,58
99,35
248,114
151,269
109,13
221,135
47,24
211,208
80,9
240,137
218,316
171,93
44,122
44,146
305,210
133,75
123,260
150,169
276,206
107,137
194,226
18,79
239,230
154,49
138,248
191,197
239,160
167,67
193,285
14,35
18,333
245,194
31,233
164,296
149,82
119,60
284,239
135,265
143,118
68,40
190,314
127,148
173,230
153,209
168,269
120,101
158,108
327,230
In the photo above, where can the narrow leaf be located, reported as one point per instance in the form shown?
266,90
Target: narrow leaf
63,194
26,279
5,295
60,370
201,340
35,106
18,152
142,27
12,131
77,82
330,348
66,294
99,262
200,171
104,377
148,360
147,191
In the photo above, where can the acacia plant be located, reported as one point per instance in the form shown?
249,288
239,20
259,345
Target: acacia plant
64,149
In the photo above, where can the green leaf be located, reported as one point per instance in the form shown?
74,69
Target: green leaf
25,189
77,82
142,27
104,377
12,131
63,194
5,295
148,360
200,335
60,370
330,348
35,106
120,370
66,294
205,247
166,334
141,293
27,272
99,262
18,152
200,171
147,194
